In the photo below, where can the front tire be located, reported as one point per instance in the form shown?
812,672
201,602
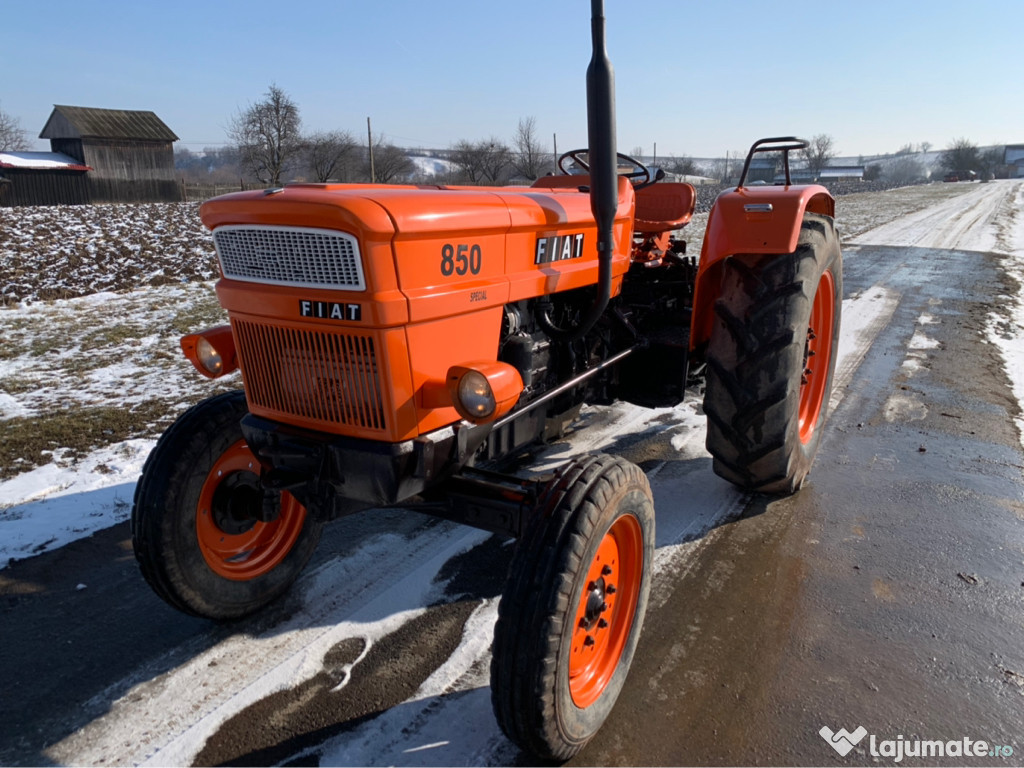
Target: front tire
771,358
195,525
573,606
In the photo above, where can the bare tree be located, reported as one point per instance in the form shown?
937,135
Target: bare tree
530,158
682,166
960,157
905,170
331,154
12,136
925,146
990,161
483,161
497,161
818,154
468,157
390,163
267,135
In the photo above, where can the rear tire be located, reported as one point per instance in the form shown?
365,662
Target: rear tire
194,525
771,358
573,606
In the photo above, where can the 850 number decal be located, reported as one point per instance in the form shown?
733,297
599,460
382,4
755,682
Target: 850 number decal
461,259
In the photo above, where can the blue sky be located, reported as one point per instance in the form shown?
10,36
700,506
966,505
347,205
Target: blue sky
696,78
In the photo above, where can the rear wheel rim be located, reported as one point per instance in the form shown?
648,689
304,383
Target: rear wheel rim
604,615
817,357
233,542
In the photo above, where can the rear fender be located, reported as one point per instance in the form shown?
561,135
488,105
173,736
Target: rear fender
749,221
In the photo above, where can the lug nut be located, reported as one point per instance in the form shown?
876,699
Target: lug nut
610,589
602,624
588,641
606,571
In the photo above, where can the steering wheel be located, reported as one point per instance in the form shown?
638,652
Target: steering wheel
639,175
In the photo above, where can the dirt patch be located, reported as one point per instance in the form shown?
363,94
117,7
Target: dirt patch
68,435
61,252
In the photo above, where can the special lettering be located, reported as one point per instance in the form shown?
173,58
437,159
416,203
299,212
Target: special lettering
558,248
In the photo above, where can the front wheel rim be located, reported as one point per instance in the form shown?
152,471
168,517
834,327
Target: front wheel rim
817,357
606,610
233,547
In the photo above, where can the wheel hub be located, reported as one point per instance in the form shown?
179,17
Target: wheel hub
237,538
605,610
237,503
597,602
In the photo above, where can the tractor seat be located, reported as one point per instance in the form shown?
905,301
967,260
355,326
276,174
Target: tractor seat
664,207
660,207
562,181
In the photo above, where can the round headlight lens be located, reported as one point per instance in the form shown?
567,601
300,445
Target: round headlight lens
209,357
475,395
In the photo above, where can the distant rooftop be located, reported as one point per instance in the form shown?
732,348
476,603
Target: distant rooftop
92,123
41,161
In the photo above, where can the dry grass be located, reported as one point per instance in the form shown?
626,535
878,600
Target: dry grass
67,435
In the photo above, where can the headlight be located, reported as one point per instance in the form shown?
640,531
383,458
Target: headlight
475,395
480,391
212,351
209,357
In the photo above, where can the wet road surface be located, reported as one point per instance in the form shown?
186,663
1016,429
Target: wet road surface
889,593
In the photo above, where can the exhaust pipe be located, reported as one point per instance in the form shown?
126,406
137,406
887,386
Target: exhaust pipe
604,187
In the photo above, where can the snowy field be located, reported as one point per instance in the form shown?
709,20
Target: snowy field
96,297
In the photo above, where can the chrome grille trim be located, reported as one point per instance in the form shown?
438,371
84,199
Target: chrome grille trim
295,256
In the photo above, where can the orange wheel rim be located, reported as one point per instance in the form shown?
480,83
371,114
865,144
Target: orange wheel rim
607,607
817,357
233,542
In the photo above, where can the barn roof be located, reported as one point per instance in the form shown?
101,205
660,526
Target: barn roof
94,123
41,161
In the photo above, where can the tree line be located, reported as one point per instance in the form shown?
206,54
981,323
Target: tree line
267,146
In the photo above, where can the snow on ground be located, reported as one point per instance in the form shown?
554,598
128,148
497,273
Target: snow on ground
433,166
57,504
1007,326
103,349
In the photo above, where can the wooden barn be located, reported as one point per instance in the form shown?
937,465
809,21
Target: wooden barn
98,156
130,152
42,178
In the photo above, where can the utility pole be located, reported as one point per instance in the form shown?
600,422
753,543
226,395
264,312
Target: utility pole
369,142
554,139
655,160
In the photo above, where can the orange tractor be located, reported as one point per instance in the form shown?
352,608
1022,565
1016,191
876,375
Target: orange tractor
399,344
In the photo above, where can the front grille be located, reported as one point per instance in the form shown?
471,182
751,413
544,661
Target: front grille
315,258
329,377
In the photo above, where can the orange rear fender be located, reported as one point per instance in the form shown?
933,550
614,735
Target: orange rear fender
750,220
